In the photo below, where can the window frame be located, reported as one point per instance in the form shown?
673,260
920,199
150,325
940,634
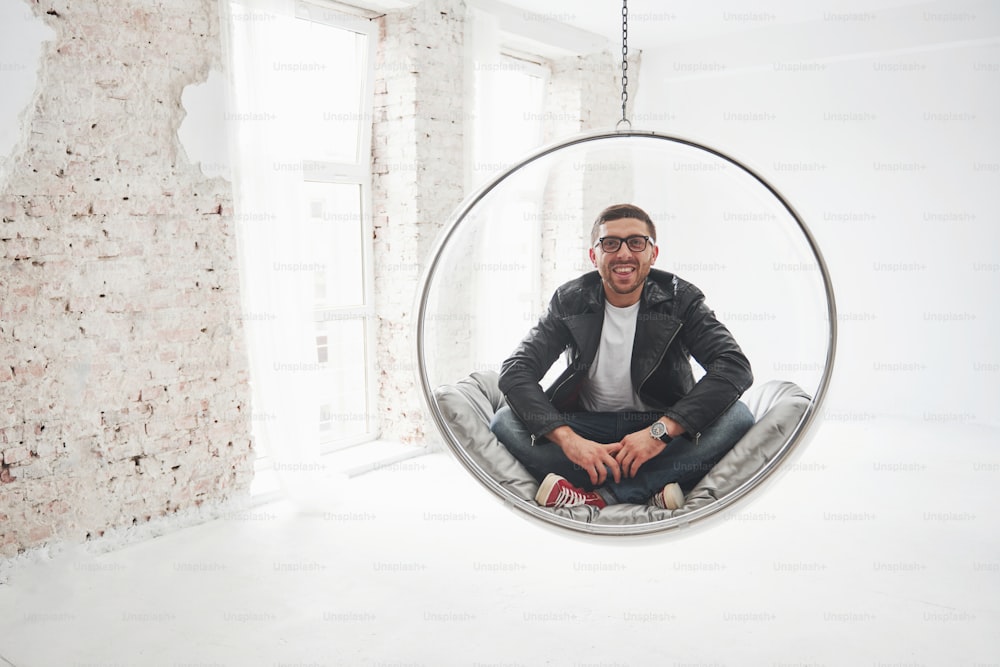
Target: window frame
358,173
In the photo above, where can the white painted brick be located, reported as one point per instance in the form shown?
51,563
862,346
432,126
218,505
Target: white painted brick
97,205
15,455
418,153
99,188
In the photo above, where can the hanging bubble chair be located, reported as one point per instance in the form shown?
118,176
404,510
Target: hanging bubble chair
720,225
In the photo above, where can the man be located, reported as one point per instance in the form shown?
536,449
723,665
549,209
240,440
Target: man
625,422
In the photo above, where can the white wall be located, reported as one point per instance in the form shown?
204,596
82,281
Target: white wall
881,128
20,52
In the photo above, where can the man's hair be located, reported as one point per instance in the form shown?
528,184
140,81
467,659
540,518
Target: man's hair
617,212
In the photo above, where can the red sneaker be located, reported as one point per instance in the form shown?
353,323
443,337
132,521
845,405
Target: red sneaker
556,491
670,498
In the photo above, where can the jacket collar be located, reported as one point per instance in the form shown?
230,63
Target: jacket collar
657,296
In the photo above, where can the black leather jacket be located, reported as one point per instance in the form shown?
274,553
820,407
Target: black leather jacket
673,325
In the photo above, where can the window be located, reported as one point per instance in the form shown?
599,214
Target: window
509,121
303,77
335,102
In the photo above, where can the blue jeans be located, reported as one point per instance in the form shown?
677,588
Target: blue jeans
682,460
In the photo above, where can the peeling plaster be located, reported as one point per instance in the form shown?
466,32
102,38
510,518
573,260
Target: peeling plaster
204,132
22,35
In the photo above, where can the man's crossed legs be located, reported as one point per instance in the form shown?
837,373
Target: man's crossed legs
682,461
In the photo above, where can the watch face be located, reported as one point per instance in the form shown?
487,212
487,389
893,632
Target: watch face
658,430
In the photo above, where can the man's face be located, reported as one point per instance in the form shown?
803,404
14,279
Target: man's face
623,272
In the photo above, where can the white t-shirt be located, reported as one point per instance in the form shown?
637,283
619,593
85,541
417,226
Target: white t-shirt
609,382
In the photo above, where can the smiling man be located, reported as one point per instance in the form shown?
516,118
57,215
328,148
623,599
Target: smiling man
625,422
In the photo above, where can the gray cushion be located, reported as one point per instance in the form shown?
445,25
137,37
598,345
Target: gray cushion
469,405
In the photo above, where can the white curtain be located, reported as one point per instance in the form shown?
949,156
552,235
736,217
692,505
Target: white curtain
508,110
275,260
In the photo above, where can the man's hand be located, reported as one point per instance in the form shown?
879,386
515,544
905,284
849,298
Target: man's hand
639,447
593,458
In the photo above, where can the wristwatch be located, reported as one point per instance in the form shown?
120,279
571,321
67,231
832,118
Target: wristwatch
659,431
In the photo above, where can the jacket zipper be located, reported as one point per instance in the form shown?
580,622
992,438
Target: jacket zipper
680,325
666,347
697,435
554,393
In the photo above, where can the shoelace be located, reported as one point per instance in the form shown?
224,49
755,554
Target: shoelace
569,498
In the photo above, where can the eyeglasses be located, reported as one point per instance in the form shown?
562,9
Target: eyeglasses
611,244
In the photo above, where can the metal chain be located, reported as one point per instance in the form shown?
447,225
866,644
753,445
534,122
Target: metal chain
624,61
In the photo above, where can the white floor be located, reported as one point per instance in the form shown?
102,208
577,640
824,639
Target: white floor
880,546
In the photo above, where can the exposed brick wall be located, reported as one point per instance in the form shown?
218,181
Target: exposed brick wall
584,95
124,385
419,157
418,179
